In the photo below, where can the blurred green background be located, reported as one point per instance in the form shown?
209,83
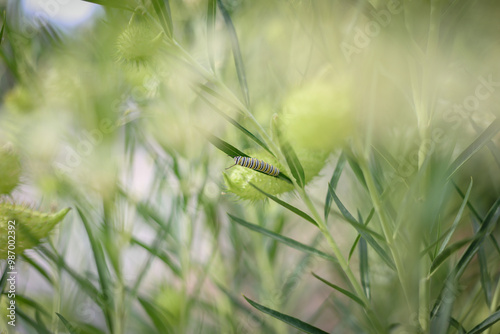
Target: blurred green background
390,106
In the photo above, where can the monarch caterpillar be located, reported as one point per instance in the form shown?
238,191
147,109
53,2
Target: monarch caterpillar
256,164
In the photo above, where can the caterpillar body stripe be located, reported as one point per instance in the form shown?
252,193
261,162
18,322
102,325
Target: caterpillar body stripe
256,164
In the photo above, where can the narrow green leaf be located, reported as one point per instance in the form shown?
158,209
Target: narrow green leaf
38,268
237,125
156,315
339,289
353,247
3,26
350,218
25,301
67,324
364,271
484,231
457,325
476,214
219,96
273,247
39,329
224,146
102,270
162,256
280,238
40,323
457,218
238,59
287,206
494,150
356,169
445,253
162,9
334,181
211,16
483,268
236,301
366,233
83,282
440,321
486,323
476,145
293,162
299,324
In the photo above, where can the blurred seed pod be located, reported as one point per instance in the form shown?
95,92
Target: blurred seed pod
319,116
30,226
139,43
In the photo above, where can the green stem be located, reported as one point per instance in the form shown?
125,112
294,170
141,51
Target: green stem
384,221
340,258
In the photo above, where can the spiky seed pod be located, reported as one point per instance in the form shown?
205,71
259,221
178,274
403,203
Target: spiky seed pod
139,43
10,171
238,179
30,226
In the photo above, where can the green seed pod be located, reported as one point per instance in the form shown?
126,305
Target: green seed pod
139,43
10,171
238,179
318,116
29,227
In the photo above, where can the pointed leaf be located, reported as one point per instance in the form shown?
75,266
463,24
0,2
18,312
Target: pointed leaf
237,125
364,271
364,231
299,324
446,253
102,270
293,162
162,9
4,21
484,231
67,324
353,247
339,289
356,169
478,216
483,268
284,240
224,146
334,181
238,59
161,255
476,145
39,329
457,218
485,324
287,206
156,315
